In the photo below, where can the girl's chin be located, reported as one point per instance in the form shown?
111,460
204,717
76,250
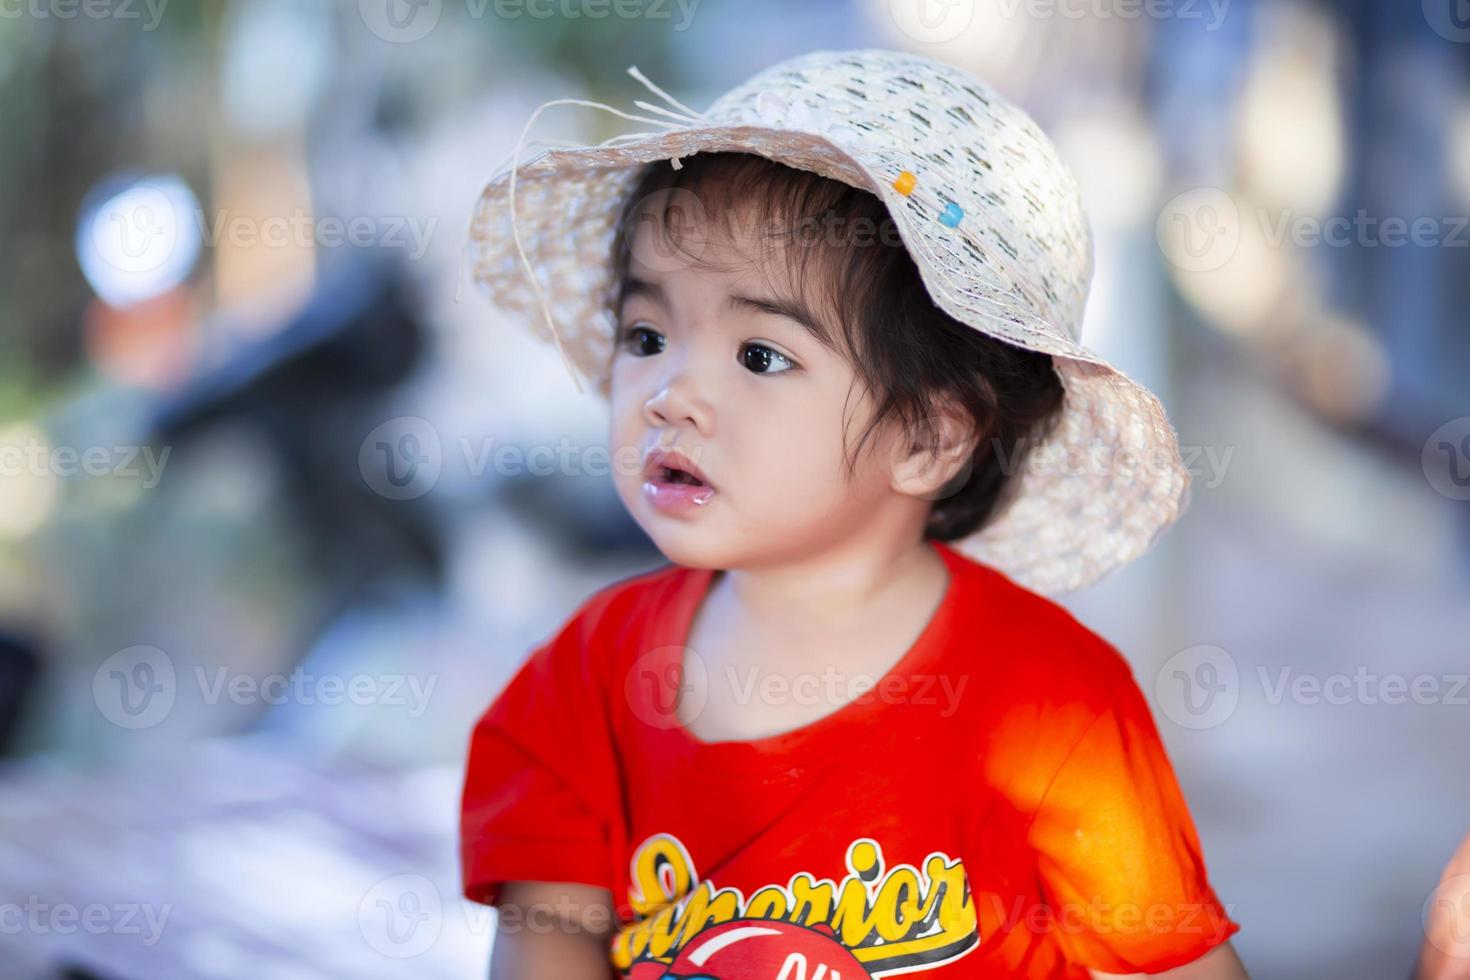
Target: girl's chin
690,547
691,543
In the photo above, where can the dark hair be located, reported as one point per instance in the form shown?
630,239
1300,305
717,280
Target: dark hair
903,348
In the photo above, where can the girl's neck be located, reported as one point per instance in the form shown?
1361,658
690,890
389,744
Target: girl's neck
832,594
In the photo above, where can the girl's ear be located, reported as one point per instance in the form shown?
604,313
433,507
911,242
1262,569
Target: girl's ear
925,468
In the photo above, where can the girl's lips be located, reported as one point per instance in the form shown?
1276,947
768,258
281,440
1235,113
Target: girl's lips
676,498
659,461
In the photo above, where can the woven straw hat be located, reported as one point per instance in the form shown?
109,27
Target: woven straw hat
988,211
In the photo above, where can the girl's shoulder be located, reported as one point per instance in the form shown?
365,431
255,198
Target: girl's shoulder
571,671
634,596
615,618
1034,644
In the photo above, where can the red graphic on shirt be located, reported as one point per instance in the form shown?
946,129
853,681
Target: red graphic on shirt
758,949
876,920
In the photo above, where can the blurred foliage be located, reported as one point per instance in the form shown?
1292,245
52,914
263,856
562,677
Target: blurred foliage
86,96
75,110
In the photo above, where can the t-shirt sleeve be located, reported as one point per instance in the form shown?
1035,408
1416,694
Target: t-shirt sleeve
540,789
1118,857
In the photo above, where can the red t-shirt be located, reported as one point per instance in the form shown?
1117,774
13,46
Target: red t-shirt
998,805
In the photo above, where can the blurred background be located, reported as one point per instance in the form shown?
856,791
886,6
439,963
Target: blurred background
283,501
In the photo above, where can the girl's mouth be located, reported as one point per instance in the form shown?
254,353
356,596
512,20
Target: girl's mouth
670,475
677,492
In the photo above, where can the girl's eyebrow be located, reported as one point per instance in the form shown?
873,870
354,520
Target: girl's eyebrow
790,309
633,286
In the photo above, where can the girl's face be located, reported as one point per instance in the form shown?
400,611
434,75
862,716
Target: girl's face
712,360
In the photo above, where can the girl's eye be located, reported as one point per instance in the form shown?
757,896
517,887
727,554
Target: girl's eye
758,358
643,341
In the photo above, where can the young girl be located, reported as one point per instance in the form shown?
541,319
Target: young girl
842,733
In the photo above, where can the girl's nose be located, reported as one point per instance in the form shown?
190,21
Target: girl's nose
679,402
